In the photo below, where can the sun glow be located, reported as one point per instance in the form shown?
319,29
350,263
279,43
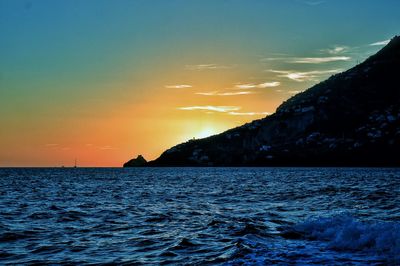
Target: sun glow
206,132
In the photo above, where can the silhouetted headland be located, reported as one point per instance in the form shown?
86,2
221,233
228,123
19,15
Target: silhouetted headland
350,119
139,161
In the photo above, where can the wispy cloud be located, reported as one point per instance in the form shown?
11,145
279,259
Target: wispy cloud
312,2
216,93
294,91
51,145
210,93
319,60
304,76
248,113
310,60
336,50
380,43
230,110
258,86
107,147
220,109
178,86
208,67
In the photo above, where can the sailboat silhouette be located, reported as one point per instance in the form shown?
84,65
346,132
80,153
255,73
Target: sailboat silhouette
75,165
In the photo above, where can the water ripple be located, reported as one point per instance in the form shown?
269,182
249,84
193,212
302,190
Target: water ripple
200,216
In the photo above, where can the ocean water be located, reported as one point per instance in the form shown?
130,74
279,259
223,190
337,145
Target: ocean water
203,216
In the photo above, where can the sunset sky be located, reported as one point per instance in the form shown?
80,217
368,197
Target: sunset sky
103,81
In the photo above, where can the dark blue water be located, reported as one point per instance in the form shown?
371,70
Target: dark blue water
222,216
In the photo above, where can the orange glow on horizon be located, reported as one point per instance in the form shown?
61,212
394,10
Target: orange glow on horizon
146,114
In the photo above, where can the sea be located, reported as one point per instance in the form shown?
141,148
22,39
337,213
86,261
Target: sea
200,216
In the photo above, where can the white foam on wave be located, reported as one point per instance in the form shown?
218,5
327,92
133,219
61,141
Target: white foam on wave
344,232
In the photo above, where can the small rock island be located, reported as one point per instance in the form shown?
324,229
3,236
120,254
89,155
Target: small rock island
138,162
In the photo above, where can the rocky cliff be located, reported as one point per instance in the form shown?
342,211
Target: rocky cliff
350,119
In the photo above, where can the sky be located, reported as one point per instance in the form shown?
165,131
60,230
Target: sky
102,81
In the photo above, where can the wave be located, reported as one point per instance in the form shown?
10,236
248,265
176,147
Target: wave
345,233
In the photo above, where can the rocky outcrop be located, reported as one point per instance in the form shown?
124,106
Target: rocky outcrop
138,162
350,119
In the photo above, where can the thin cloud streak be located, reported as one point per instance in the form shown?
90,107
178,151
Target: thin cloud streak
294,92
208,67
319,60
303,76
107,147
216,93
380,43
178,86
310,60
51,145
258,86
220,109
313,3
336,50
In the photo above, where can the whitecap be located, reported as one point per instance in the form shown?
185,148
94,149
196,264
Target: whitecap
344,232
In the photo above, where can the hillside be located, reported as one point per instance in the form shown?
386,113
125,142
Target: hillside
350,119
